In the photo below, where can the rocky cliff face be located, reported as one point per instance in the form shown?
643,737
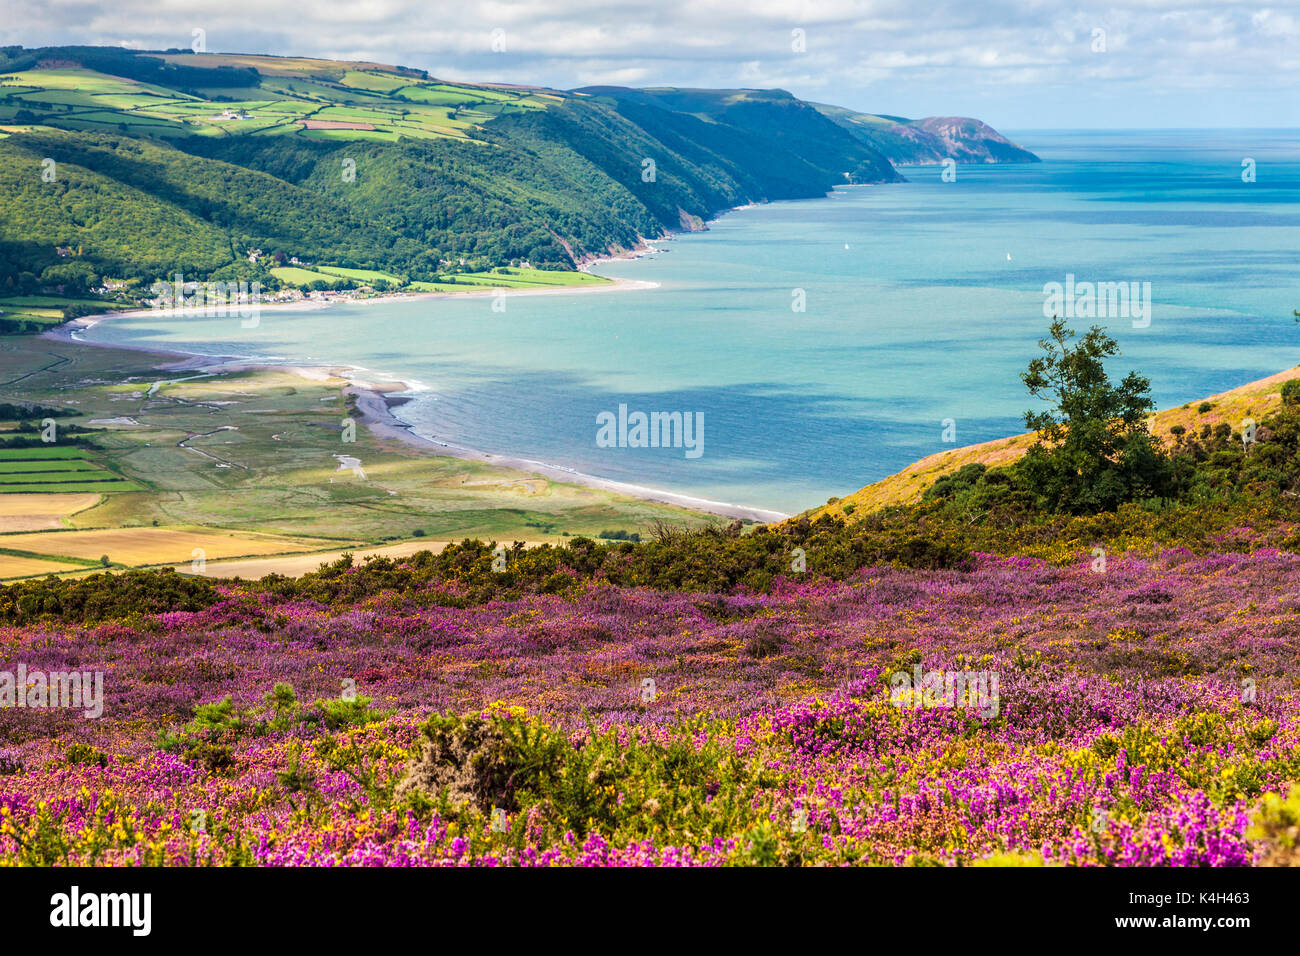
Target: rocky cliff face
929,141
970,140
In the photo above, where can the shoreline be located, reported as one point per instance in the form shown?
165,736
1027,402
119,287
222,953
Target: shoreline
375,408
372,401
611,284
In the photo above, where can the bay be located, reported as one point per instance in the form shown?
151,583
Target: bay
922,303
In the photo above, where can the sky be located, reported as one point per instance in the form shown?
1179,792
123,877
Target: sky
1027,64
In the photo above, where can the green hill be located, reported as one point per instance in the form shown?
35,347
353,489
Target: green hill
130,165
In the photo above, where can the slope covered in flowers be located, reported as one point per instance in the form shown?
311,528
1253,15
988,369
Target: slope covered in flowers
1142,716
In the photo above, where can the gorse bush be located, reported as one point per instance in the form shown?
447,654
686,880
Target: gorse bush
709,559
689,784
103,596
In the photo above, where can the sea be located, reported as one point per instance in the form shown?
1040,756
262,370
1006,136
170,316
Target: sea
823,344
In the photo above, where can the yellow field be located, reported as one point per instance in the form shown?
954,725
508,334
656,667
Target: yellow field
145,546
299,564
12,567
37,512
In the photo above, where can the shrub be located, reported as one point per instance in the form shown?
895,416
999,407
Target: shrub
1276,824
1093,452
103,596
78,754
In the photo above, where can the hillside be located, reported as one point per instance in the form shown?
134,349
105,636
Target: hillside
928,141
130,166
1254,400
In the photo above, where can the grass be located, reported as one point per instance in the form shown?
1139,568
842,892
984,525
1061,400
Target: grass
513,278
10,466
503,278
68,487
397,103
293,275
37,454
34,470
46,309
362,275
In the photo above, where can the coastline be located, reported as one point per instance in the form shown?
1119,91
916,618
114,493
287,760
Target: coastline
611,284
373,403
375,399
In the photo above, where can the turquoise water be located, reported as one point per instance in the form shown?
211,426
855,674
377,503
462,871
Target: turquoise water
914,314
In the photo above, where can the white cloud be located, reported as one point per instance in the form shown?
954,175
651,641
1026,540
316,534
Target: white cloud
912,56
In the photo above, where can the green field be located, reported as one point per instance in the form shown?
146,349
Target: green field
293,275
361,275
37,470
504,278
510,279
14,466
46,309
67,487
396,105
38,454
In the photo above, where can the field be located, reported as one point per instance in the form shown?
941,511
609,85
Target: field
513,278
22,566
140,547
56,470
295,276
252,453
502,278
295,565
37,512
384,104
44,309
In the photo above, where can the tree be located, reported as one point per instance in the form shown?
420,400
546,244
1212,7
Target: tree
1093,450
